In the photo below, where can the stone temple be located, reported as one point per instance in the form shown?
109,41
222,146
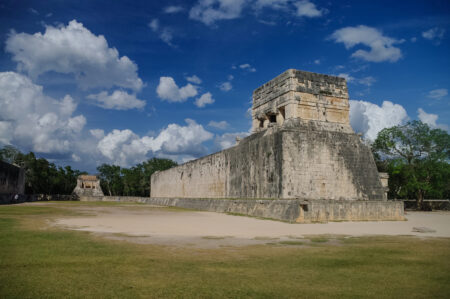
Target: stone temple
88,185
301,147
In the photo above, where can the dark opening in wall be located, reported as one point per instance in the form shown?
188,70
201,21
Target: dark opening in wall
272,118
261,123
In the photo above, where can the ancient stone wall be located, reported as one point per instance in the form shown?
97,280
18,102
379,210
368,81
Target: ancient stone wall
294,211
299,160
12,179
251,169
193,179
327,164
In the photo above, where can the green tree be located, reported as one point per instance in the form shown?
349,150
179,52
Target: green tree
131,181
65,180
27,161
111,179
151,166
9,154
134,181
417,160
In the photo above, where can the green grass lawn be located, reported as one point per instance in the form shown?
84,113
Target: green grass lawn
39,262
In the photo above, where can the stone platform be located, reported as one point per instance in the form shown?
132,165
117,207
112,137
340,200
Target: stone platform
289,210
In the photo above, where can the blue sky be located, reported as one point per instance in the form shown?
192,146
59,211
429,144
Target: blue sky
90,82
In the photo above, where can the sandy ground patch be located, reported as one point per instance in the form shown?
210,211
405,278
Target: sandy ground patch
145,224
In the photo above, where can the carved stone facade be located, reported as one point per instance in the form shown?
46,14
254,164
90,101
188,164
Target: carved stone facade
300,95
88,185
302,147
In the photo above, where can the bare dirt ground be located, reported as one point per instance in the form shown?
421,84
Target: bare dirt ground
158,225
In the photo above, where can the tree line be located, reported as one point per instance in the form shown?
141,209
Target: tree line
41,176
134,181
44,177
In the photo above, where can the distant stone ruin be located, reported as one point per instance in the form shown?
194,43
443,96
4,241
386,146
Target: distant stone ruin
12,179
301,147
88,185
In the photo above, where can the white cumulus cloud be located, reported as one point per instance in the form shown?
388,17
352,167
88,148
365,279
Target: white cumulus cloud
204,100
76,158
308,9
73,49
430,119
124,147
210,11
118,100
427,118
381,47
97,133
29,119
112,145
168,90
221,125
434,34
194,79
188,139
369,119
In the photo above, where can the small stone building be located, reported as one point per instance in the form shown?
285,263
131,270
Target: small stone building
88,185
